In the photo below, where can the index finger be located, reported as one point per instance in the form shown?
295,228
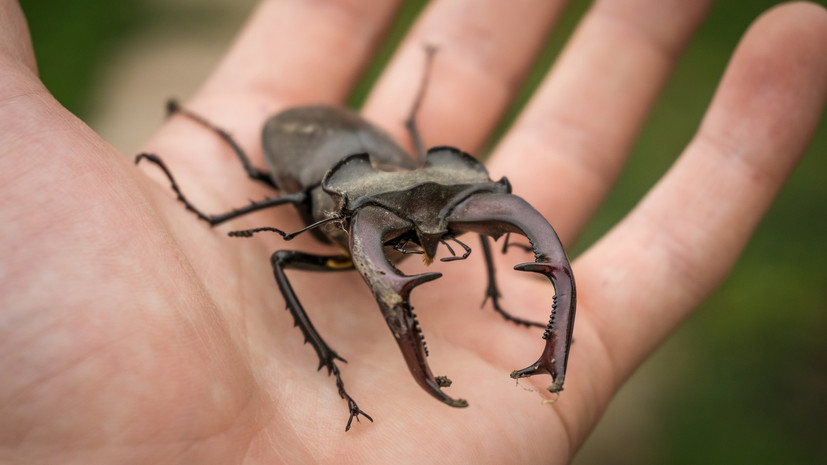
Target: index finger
294,52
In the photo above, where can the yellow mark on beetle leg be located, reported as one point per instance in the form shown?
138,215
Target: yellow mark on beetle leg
339,263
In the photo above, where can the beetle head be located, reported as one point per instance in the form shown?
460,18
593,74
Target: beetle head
449,195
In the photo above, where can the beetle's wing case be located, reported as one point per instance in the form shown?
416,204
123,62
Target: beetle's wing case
302,144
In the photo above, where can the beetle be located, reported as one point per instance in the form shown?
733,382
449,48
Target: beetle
355,187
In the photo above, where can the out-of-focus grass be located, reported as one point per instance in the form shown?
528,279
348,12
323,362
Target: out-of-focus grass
73,39
752,376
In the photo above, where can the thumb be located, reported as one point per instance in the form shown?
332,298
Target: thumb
41,143
15,42
56,173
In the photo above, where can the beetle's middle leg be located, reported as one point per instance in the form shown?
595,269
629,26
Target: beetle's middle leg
281,199
284,259
493,293
173,107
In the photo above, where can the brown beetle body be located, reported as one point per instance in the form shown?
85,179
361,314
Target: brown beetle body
302,144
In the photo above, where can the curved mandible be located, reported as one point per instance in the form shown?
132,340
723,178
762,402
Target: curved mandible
495,214
370,227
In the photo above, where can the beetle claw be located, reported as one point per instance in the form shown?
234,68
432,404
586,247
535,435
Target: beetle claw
369,228
495,214
540,367
355,411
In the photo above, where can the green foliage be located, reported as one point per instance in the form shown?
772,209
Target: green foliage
72,42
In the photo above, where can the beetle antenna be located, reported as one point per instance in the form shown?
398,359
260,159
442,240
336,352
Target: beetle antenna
451,250
454,258
410,123
400,245
286,236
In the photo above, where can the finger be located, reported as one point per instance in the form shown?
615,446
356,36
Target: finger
295,52
484,51
572,139
34,124
291,53
646,275
15,43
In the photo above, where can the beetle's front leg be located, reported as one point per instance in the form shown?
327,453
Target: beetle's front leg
284,259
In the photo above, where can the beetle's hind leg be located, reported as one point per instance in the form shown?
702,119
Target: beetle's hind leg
173,107
493,293
284,259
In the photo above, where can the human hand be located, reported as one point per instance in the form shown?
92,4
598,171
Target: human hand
132,332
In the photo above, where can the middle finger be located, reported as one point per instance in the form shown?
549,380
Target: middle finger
485,49
579,126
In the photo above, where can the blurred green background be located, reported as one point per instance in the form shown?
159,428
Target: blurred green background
743,381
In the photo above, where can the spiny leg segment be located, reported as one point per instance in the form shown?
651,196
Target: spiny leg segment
173,107
284,259
254,173
213,220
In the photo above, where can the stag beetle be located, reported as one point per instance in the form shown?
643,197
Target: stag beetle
355,187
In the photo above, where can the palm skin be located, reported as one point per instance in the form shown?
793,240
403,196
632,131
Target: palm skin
132,332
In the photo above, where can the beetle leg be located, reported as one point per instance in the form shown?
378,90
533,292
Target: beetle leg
213,220
493,293
254,173
410,123
496,214
370,228
284,259
507,244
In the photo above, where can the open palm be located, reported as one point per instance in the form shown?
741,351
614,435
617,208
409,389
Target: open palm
131,332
